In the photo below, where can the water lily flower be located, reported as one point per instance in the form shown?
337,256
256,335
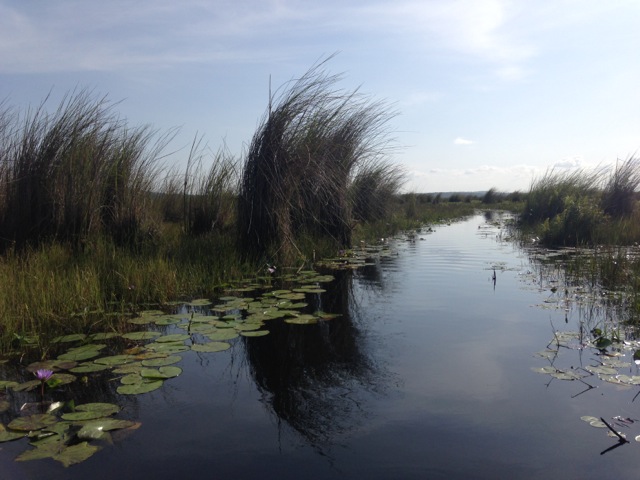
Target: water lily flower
43,374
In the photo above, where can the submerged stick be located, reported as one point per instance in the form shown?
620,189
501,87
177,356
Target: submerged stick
621,438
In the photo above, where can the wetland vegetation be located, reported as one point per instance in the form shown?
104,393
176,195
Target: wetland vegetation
113,264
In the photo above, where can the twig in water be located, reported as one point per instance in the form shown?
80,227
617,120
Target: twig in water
621,438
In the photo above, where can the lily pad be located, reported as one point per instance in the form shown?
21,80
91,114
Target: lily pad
32,422
211,347
176,337
161,362
94,428
91,411
162,372
139,388
222,335
7,436
255,333
141,335
75,337
115,360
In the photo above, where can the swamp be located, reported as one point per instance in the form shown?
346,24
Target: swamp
446,352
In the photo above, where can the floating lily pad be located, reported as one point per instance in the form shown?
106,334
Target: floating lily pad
141,335
222,335
255,333
27,386
32,422
91,411
168,348
103,336
162,372
161,362
7,436
8,384
115,360
302,320
211,347
176,337
94,428
75,337
139,388
200,302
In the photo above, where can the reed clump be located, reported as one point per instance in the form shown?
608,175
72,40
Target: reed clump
585,208
307,168
74,173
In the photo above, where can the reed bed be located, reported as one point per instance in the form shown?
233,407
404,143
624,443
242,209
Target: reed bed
585,208
304,160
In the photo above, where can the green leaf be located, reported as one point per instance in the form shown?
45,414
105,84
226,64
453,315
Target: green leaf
161,373
7,436
115,360
91,411
160,362
32,422
141,335
176,337
139,388
211,347
75,453
255,333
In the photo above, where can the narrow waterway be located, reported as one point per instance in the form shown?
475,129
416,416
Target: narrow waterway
427,374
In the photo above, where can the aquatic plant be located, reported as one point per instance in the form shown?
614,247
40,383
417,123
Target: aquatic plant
312,142
75,172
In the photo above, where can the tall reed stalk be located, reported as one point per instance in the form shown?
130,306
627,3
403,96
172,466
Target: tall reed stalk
302,161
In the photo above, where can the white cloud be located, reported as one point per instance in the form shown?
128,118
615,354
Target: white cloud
463,141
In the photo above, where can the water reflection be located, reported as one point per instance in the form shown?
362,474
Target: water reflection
312,376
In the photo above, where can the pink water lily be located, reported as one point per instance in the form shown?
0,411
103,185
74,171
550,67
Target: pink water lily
43,374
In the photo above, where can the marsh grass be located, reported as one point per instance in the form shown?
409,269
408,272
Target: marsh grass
302,161
74,173
585,208
209,195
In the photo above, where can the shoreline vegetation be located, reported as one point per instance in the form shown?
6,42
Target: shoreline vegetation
94,227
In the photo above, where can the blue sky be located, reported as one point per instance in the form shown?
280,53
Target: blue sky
490,93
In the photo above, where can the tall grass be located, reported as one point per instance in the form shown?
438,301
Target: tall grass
73,173
209,195
581,207
302,161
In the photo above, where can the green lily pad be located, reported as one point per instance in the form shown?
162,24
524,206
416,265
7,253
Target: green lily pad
75,453
200,302
7,436
176,337
168,348
103,336
91,411
89,368
141,335
8,384
302,320
115,360
75,337
95,428
211,347
32,422
27,386
220,335
162,372
161,362
139,388
255,333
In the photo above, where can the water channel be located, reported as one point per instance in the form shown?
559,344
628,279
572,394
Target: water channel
427,374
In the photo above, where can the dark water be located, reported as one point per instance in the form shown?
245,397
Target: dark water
427,375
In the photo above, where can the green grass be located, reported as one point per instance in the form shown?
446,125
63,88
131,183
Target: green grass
585,208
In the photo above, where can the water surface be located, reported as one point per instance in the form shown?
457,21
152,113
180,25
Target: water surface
428,374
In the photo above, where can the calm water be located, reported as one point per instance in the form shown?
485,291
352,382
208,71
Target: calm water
427,375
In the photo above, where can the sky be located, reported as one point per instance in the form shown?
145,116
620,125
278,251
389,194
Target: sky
488,93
